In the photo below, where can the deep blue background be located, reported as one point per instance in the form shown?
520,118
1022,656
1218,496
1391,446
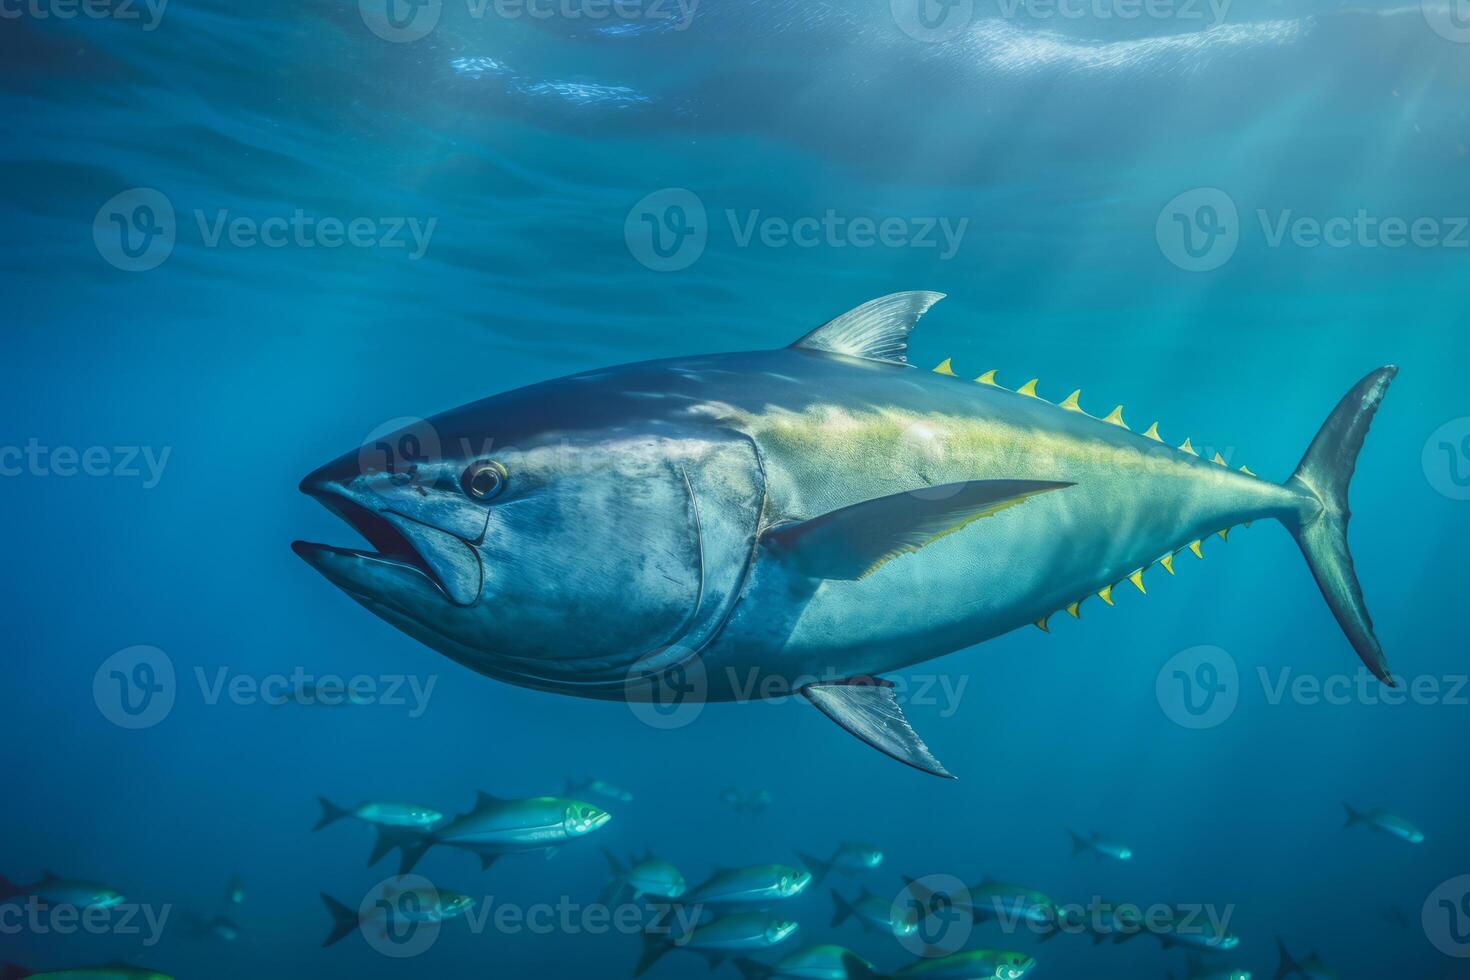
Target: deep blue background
1060,143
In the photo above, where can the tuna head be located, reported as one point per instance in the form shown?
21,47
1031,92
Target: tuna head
550,537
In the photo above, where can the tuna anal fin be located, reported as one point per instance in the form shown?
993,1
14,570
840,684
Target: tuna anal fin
878,330
852,542
868,708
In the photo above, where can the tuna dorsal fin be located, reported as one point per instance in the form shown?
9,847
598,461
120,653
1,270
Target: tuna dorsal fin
868,708
878,330
851,542
484,799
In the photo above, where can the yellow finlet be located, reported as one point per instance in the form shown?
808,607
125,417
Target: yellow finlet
1028,389
1219,459
1137,579
1041,624
1194,547
1072,609
1071,403
1188,447
1106,595
1246,470
944,368
1115,417
988,378
1153,433
1224,534
1168,562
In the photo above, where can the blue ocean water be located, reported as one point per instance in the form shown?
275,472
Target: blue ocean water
1221,222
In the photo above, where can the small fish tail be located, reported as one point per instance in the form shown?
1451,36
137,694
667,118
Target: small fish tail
820,869
751,970
344,920
1079,843
331,813
8,889
1320,528
1288,966
842,909
1353,816
654,948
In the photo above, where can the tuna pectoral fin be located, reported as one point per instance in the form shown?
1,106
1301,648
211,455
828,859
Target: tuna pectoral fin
851,542
868,708
1321,532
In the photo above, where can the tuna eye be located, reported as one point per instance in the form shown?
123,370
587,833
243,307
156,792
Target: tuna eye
483,479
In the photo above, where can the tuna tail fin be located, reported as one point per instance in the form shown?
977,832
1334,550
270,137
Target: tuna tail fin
410,843
1288,965
1353,816
1079,843
654,948
8,889
9,971
842,909
331,813
820,869
1321,531
344,920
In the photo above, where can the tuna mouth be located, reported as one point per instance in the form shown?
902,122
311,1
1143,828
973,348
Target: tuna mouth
399,543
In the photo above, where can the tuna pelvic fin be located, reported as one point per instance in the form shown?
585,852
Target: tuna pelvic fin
878,330
1321,530
852,542
867,708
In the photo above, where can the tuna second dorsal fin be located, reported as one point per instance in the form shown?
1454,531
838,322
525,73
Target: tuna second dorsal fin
878,330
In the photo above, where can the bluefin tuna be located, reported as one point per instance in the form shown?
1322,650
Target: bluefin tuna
380,814
497,827
420,904
811,963
847,858
875,914
798,520
1385,823
53,889
1099,847
736,933
754,885
648,875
